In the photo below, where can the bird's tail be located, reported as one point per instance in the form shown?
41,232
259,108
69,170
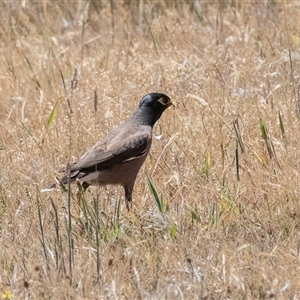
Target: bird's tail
63,181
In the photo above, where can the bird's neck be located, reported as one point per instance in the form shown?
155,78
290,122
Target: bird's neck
146,116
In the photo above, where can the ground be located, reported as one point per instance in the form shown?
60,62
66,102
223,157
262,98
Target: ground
216,204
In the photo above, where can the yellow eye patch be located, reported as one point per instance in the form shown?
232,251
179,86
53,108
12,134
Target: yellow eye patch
167,102
163,101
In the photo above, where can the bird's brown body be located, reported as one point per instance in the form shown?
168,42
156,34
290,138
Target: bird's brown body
118,157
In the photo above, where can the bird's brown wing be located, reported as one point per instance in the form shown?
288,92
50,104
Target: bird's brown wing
128,144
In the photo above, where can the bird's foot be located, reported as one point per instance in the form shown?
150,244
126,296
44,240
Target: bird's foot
129,205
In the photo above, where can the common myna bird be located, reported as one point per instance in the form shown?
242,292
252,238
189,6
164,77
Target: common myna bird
118,157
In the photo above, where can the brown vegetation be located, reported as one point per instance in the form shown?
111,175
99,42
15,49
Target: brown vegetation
216,205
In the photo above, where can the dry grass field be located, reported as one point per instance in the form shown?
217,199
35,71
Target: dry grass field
222,220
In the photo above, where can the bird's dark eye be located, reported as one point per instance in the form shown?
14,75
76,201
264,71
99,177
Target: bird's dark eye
163,100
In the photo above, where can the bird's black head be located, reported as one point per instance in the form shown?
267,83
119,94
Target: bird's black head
152,106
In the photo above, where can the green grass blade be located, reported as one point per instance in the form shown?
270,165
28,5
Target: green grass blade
237,163
31,69
42,239
52,116
69,228
264,133
281,125
97,233
238,135
157,199
195,216
117,219
56,226
263,130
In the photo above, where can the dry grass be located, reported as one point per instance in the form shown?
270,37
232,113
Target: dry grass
216,237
